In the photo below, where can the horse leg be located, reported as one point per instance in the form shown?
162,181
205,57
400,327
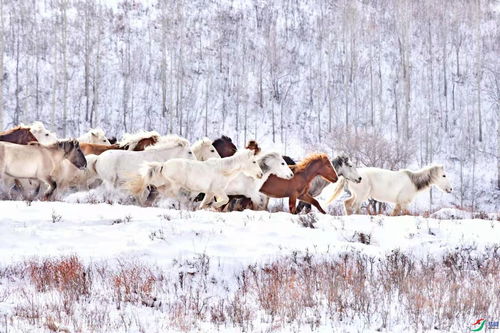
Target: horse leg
404,209
224,199
292,200
152,195
52,187
302,205
309,199
348,205
206,200
396,210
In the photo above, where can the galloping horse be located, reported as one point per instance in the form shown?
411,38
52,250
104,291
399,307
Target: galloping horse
211,176
247,188
342,166
398,187
36,161
298,186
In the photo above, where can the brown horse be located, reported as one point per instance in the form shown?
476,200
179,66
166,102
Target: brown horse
143,143
96,149
19,135
298,186
224,146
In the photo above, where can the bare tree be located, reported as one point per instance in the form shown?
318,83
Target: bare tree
2,47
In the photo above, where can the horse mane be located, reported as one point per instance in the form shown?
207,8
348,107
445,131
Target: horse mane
98,131
35,126
15,129
252,145
339,160
424,177
134,138
289,160
200,144
302,165
264,160
169,141
229,162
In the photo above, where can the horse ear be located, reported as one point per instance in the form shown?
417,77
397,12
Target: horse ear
93,132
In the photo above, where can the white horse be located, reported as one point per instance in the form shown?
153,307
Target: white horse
210,177
115,167
96,136
397,187
203,150
43,135
37,161
270,163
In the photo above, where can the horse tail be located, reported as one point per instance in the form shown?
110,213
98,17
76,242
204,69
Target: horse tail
147,173
136,185
338,189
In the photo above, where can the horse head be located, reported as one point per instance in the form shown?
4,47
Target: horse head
73,153
41,134
441,179
343,167
224,146
275,164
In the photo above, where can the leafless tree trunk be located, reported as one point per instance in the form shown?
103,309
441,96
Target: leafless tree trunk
2,47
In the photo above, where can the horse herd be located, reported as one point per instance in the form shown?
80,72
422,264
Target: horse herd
147,165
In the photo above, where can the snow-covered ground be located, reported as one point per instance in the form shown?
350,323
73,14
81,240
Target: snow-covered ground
111,234
236,239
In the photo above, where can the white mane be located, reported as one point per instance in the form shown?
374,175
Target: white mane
36,126
235,160
99,132
169,141
133,139
199,145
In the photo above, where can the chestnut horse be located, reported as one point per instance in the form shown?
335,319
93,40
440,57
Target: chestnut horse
298,186
96,149
146,142
19,135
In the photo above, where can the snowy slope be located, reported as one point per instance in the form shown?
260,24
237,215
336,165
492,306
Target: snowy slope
105,231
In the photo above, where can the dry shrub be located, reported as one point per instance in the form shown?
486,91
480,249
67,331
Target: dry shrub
66,274
134,283
373,149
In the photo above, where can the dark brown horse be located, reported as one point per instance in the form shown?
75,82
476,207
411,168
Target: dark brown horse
19,135
96,149
298,186
224,146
